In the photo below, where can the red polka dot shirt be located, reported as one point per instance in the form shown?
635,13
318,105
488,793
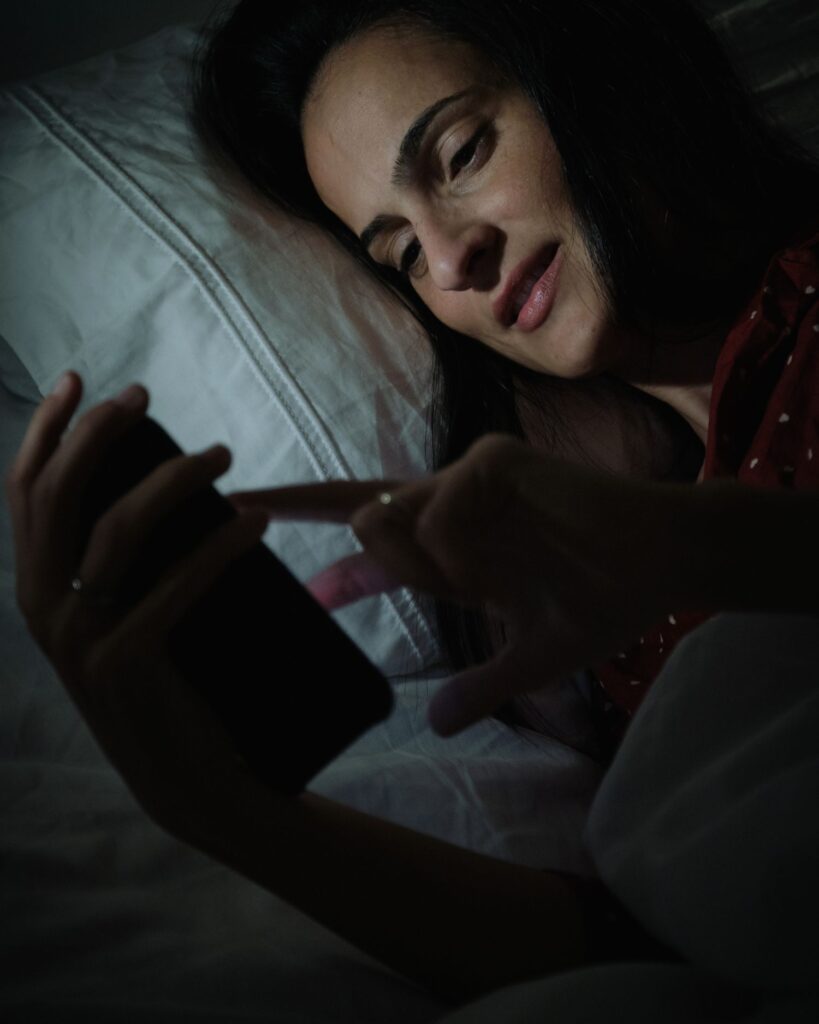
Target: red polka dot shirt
763,428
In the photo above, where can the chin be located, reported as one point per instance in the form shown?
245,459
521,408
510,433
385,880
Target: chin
582,351
572,353
573,365
578,374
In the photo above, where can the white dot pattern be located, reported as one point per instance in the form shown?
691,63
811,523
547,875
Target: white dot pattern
753,398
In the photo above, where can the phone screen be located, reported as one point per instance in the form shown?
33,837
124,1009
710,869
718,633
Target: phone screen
288,684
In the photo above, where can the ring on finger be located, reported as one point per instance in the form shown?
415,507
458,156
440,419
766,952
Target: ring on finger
397,506
92,596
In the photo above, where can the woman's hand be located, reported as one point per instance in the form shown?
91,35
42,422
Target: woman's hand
576,564
336,864
169,748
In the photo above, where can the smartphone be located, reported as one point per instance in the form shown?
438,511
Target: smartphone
289,685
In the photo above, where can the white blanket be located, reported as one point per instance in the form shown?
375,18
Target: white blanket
706,828
707,823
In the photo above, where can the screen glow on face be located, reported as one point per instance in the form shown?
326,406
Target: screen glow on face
452,179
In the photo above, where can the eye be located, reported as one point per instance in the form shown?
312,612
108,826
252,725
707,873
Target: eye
466,154
464,158
409,257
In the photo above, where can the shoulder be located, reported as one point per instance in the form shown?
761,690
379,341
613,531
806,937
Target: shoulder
764,419
610,426
795,266
787,292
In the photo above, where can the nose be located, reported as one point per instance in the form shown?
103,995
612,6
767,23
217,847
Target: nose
457,256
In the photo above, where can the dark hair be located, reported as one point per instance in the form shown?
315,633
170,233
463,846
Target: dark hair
640,99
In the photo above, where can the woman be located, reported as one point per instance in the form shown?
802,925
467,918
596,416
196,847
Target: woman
559,218
666,191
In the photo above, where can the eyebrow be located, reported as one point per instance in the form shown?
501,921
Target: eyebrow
407,159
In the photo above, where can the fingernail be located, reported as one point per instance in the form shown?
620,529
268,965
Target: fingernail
63,386
131,398
218,453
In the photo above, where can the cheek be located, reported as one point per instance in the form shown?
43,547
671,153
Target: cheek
513,194
530,182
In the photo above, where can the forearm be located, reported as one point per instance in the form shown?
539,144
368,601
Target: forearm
457,922
746,549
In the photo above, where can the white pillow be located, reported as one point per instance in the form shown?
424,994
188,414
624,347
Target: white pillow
122,259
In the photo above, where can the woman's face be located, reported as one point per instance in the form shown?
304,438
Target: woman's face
480,210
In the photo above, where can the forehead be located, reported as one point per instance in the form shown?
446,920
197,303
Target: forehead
366,95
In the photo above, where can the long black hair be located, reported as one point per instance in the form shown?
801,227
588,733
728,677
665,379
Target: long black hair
640,99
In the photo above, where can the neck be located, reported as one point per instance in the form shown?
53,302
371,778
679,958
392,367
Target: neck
679,373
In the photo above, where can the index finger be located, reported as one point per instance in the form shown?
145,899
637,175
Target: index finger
46,428
334,501
41,440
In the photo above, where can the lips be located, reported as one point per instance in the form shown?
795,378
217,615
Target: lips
519,284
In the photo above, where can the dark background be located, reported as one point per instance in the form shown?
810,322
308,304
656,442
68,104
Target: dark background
775,47
38,35
774,43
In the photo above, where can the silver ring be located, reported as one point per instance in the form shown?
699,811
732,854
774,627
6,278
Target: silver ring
87,593
400,512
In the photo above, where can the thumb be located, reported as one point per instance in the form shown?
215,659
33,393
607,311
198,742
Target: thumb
474,694
349,580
